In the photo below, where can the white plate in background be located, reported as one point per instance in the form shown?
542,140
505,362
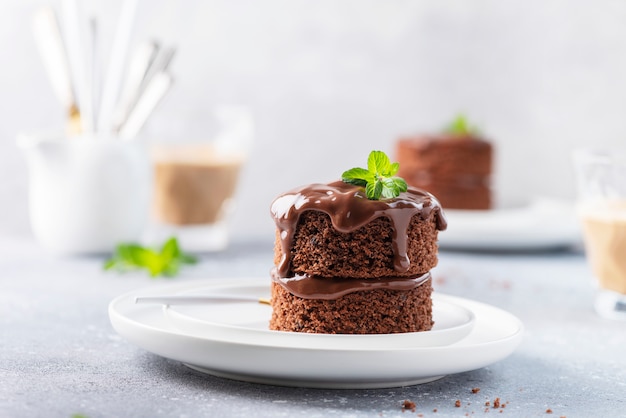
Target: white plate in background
541,224
495,335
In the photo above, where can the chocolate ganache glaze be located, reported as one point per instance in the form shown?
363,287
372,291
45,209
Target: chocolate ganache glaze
316,288
349,209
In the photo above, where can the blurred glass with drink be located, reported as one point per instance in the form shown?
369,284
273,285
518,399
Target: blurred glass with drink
601,180
195,182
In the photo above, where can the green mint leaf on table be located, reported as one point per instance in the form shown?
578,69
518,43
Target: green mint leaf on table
164,262
378,179
461,126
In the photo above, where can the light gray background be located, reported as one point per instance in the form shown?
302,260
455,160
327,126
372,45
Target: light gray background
330,80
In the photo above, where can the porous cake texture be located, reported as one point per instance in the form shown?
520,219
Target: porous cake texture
378,311
320,250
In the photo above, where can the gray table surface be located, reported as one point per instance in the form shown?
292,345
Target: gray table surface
60,356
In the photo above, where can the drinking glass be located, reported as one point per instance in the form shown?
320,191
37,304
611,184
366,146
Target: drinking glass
601,206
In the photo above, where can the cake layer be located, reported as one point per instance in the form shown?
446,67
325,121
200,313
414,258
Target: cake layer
335,231
319,250
445,155
377,311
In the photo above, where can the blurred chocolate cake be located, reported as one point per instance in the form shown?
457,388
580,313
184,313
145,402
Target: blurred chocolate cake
455,165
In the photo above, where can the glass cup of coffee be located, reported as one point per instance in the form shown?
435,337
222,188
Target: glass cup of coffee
601,182
195,183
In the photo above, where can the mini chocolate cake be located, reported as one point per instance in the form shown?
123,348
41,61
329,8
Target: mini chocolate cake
345,264
455,168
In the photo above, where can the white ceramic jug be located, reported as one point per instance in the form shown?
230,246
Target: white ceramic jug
87,193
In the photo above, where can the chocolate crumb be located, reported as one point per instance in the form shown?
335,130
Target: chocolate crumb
487,403
496,403
475,390
408,405
457,403
548,411
435,410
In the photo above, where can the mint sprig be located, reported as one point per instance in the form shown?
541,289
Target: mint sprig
378,179
461,126
165,262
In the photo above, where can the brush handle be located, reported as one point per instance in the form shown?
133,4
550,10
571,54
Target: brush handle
138,67
47,34
119,53
155,91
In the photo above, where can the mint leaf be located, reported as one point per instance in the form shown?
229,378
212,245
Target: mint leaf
378,179
378,162
165,262
373,190
170,249
357,176
187,259
400,184
461,126
393,168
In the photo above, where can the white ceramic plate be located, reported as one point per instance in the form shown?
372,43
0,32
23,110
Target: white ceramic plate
248,321
541,224
495,335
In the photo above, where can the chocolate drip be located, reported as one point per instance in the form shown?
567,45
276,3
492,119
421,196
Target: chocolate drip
349,209
307,287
